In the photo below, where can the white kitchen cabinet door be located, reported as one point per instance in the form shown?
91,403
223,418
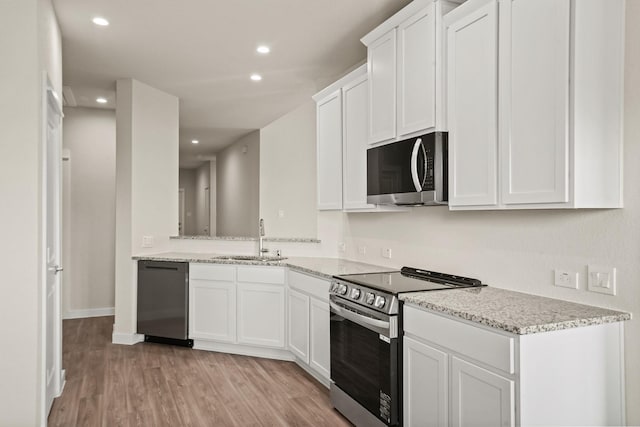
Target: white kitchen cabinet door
329,151
355,102
298,307
480,398
534,114
417,72
425,382
261,315
212,310
472,107
320,355
381,64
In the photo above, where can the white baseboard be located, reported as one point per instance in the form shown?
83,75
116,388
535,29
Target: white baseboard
89,312
126,339
244,350
321,379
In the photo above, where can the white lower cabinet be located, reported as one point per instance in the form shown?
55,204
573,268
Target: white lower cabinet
261,314
298,309
308,323
458,373
426,385
319,356
480,397
212,307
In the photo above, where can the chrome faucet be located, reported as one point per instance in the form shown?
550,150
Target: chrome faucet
261,248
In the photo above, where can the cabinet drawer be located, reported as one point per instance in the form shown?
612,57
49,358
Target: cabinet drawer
315,286
223,273
274,275
480,344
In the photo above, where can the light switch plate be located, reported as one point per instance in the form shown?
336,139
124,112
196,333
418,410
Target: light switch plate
342,247
601,279
386,253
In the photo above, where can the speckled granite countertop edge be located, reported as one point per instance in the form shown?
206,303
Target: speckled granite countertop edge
415,300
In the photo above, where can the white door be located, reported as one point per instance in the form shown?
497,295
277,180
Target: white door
320,352
535,46
52,318
425,379
381,63
417,72
207,211
480,398
298,324
472,105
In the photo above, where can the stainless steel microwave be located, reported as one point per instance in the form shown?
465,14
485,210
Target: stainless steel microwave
409,172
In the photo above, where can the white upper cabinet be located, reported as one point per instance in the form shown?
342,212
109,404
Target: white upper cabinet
557,140
472,108
417,72
405,72
381,61
534,87
355,99
329,139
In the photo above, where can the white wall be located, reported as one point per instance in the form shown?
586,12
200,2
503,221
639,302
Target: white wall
146,182
288,174
29,44
187,181
238,182
88,281
213,190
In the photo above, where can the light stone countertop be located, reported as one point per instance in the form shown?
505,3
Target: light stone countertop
514,312
322,267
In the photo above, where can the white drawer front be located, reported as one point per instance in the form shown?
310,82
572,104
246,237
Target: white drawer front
274,275
314,286
224,273
477,343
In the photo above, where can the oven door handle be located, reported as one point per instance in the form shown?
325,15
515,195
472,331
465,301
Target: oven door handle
365,321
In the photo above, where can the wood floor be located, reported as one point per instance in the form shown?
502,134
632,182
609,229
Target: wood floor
159,385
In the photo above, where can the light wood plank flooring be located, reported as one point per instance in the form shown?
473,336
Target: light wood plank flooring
159,385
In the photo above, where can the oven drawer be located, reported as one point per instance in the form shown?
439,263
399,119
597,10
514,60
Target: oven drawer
494,349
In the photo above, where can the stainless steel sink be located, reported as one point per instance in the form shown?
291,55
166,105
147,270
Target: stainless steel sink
249,258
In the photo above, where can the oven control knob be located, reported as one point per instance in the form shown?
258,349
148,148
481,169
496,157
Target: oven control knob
342,289
369,298
355,293
380,302
334,287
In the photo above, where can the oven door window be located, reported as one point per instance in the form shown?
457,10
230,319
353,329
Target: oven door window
363,366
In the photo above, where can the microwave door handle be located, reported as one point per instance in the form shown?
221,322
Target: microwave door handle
414,165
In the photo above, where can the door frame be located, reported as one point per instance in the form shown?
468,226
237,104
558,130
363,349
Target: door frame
49,98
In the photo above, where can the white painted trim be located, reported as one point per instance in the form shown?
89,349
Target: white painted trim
244,350
126,339
63,381
89,312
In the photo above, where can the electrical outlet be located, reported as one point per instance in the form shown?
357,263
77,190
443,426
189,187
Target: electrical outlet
601,279
362,250
281,213
147,241
386,253
565,278
342,247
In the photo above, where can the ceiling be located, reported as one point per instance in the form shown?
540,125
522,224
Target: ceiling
203,51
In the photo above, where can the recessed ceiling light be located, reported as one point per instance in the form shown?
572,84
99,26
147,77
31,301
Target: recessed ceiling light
256,77
263,49
100,21
194,141
101,100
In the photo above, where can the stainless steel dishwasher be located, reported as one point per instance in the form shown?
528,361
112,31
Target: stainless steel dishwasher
163,302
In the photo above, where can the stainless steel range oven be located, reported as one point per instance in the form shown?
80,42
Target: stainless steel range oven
366,333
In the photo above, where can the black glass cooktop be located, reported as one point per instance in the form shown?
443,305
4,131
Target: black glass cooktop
410,280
